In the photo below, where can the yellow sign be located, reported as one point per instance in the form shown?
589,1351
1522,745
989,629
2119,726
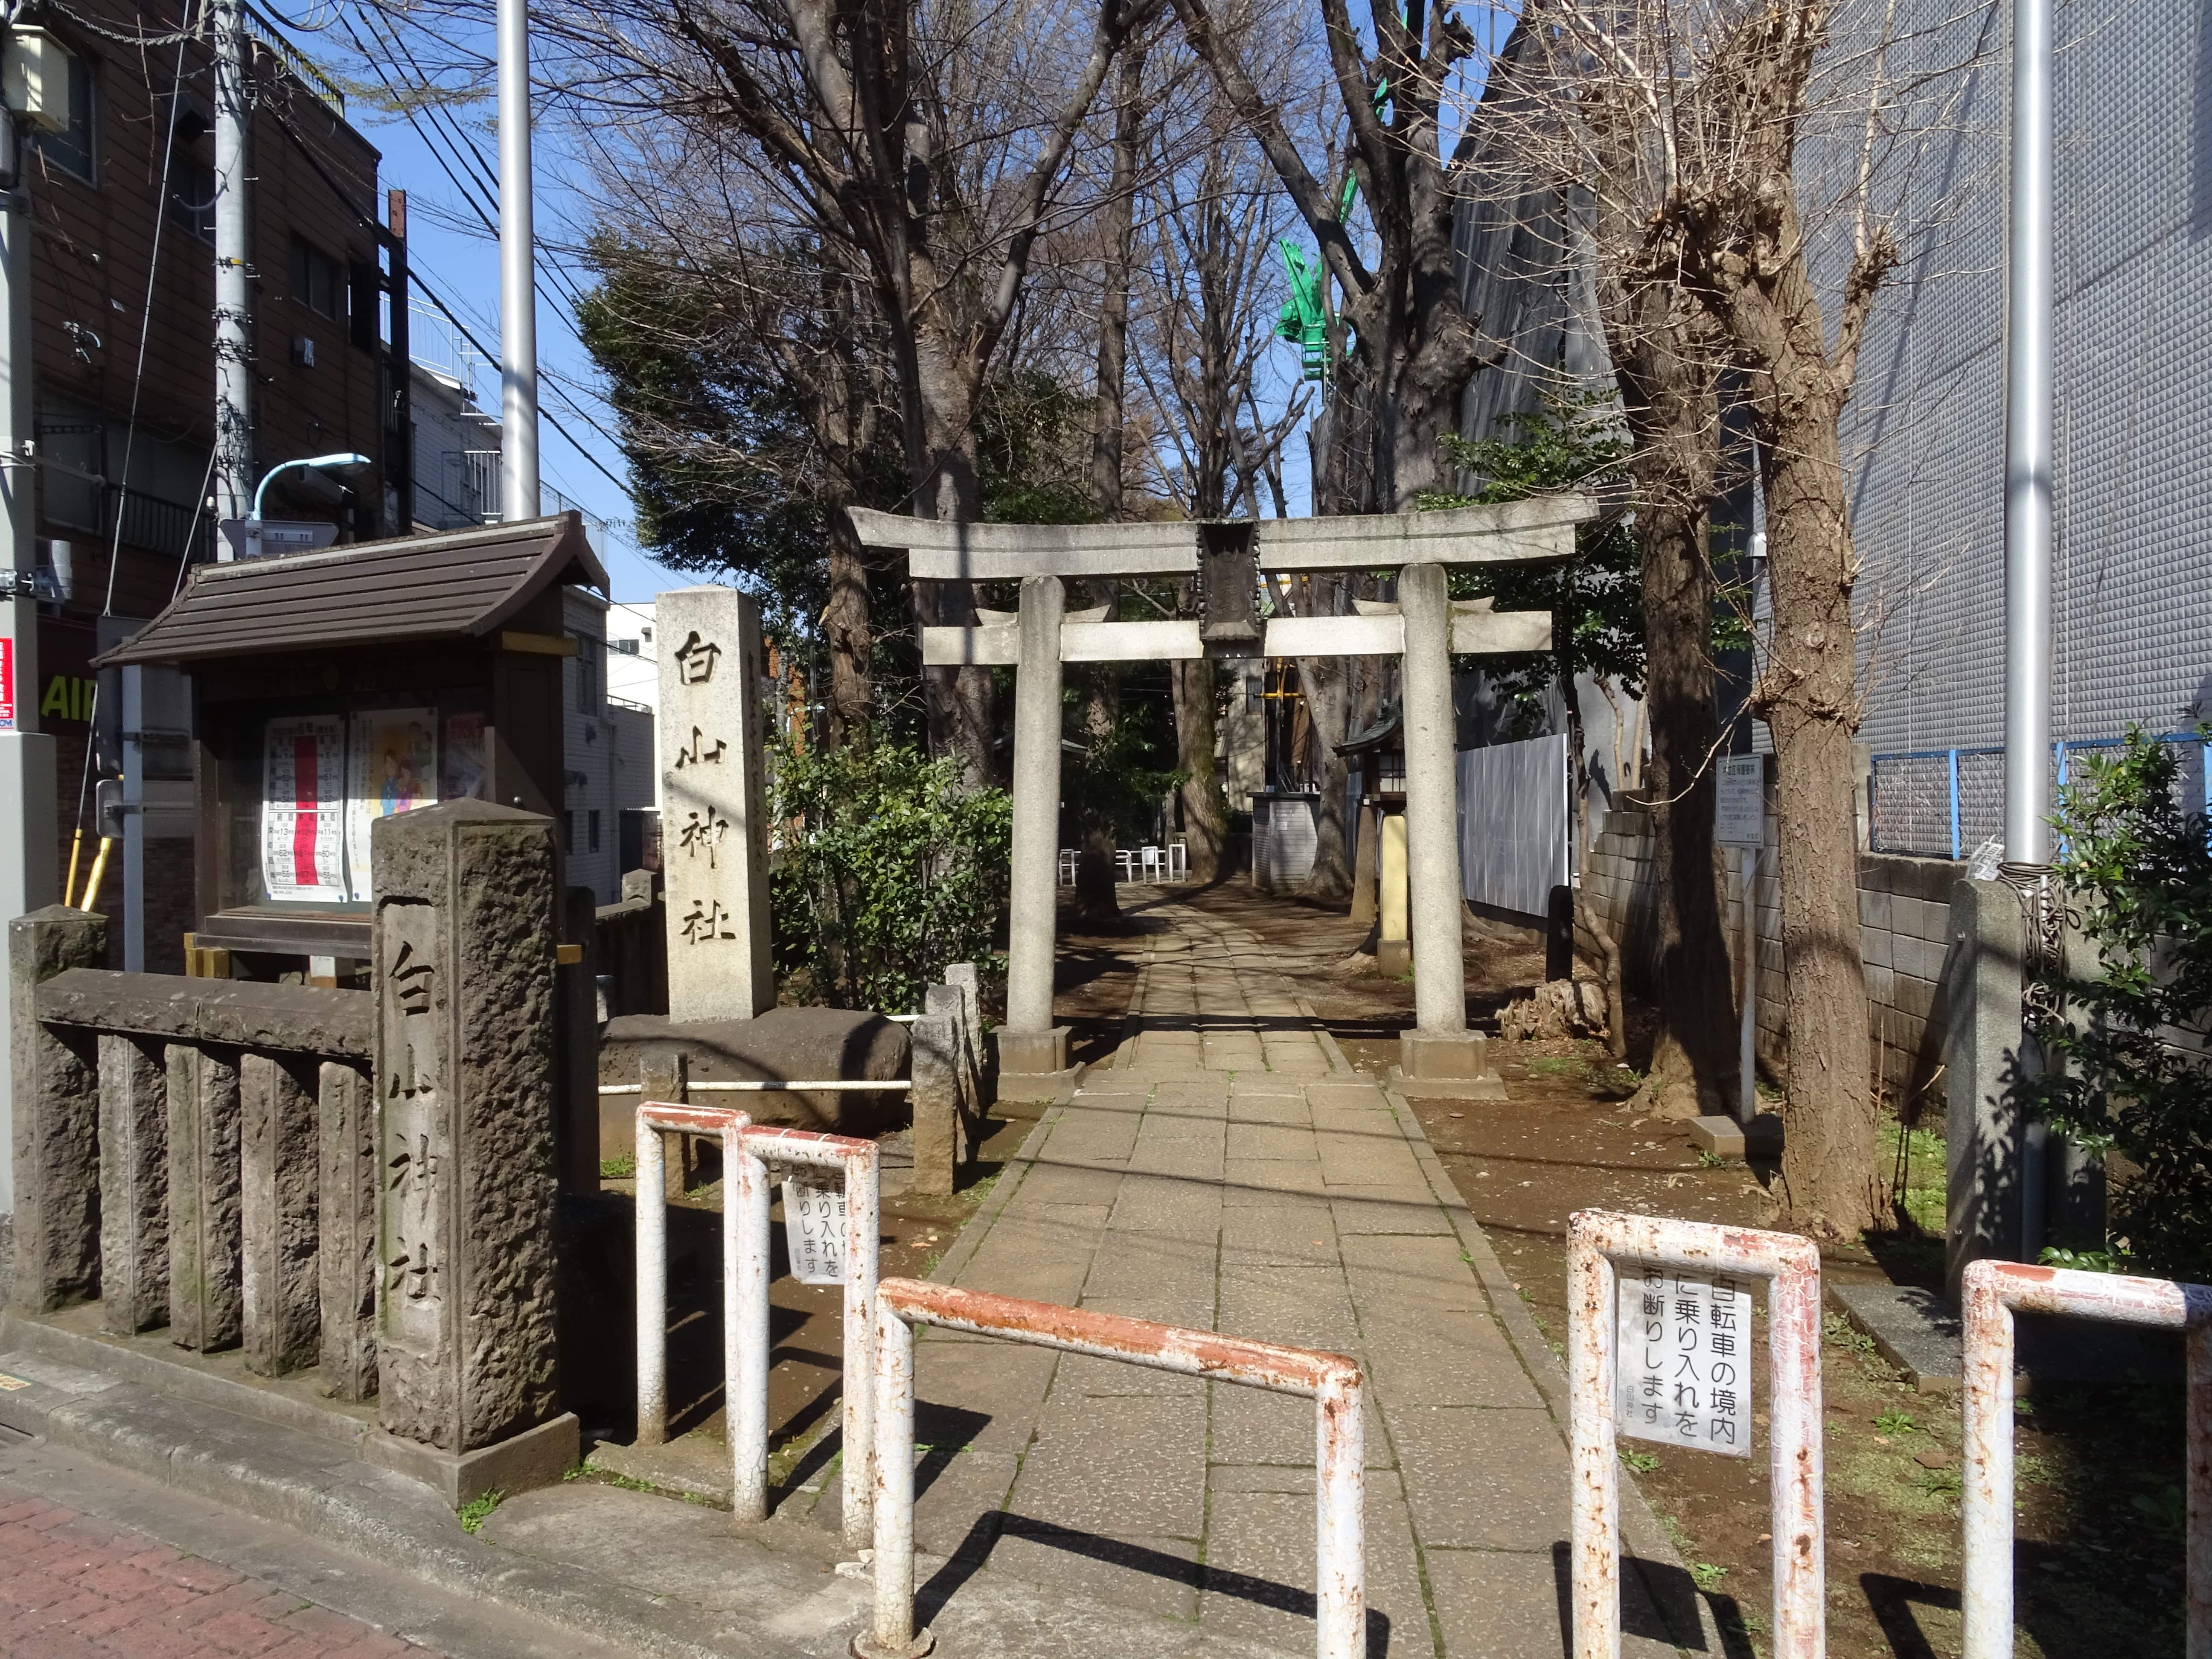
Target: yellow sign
68,698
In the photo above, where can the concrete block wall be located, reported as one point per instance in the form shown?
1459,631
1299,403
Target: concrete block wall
1904,938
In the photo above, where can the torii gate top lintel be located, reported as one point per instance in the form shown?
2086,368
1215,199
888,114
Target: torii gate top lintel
1424,626
1537,530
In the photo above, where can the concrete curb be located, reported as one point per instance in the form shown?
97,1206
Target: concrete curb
954,1261
1642,1538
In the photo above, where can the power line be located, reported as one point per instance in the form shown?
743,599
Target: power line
468,334
463,149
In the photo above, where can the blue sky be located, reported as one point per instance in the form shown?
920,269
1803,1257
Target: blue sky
462,267
459,261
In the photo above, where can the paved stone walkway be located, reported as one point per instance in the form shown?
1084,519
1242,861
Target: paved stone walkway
1230,1171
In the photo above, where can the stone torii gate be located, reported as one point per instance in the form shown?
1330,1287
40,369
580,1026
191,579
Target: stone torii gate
1425,627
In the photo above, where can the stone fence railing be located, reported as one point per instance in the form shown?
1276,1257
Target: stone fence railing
211,1156
198,1154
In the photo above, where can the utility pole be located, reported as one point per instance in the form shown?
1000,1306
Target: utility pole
27,873
2029,462
517,273
234,389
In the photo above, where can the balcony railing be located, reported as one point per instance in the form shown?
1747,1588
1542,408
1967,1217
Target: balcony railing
296,63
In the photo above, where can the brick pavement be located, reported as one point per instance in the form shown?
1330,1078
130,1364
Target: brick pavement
73,1587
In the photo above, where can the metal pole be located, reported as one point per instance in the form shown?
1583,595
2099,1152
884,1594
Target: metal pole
1747,1056
1985,1499
2028,451
28,870
745,1324
518,289
892,1634
1339,1521
1594,1521
651,1204
863,1243
234,394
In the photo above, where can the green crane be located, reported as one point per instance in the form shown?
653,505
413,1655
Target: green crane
1302,321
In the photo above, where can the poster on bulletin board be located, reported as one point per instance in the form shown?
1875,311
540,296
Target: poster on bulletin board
395,769
303,809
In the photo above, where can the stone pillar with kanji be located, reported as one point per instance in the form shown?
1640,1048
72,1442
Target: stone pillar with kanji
466,930
713,812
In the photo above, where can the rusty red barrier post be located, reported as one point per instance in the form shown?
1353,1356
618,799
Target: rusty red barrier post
1595,1241
855,1161
747,1150
1993,1291
1330,1380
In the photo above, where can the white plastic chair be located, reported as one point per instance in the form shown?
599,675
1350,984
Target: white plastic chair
1153,860
1067,857
1128,863
1178,859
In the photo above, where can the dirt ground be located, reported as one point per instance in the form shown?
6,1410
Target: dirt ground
2098,1469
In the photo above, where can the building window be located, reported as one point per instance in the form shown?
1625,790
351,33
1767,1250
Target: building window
72,150
318,282
589,673
623,647
192,168
591,823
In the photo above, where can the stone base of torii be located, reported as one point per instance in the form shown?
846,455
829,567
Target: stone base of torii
1440,1055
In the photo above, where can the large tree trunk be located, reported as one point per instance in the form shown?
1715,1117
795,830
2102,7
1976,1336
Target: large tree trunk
960,704
1808,695
1609,948
1668,390
845,626
1097,862
1327,698
1205,816
1829,1165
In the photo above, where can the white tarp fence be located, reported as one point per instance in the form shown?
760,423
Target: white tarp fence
1513,824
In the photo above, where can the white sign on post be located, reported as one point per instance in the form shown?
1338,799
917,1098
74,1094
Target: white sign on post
1740,811
1681,1365
814,1231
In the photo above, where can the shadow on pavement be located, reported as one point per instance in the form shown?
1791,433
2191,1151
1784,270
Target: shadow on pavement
976,1549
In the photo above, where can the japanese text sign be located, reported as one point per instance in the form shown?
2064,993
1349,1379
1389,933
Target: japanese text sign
814,1233
1681,1365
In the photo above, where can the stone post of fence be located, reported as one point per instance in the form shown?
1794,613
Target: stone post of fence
56,1092
465,931
346,1190
936,1040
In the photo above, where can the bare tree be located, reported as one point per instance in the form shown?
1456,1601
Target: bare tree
1206,292
930,144
1686,120
1411,347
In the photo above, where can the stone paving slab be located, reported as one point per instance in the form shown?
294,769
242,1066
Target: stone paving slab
1230,1171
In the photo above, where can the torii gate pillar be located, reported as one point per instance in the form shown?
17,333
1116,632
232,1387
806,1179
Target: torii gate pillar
1440,1055
1032,1050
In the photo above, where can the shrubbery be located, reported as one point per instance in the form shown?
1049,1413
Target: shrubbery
882,871
2128,1066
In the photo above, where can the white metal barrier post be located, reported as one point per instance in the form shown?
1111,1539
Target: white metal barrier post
761,1145
655,1119
1330,1380
1595,1241
1992,1292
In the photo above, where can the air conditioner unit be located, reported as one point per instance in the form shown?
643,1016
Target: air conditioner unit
37,79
